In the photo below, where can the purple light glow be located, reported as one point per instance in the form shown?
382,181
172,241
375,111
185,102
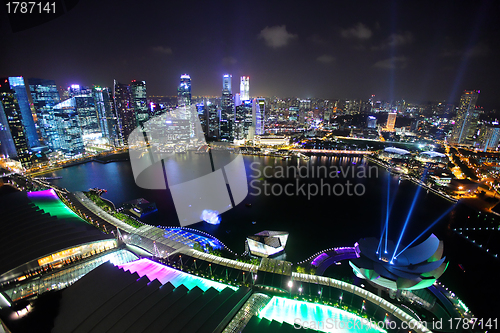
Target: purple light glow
166,274
46,194
319,259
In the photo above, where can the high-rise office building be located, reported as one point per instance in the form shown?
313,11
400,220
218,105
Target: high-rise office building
391,121
124,110
466,118
13,141
293,113
77,90
259,113
243,120
490,137
18,85
245,88
213,121
139,101
68,128
371,122
304,109
84,106
227,95
108,120
226,82
81,99
45,96
227,115
201,109
184,91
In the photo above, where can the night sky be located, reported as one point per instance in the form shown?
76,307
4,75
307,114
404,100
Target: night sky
413,50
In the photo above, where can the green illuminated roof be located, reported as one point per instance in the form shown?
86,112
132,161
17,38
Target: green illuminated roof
314,316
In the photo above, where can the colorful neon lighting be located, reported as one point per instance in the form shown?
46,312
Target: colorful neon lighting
428,228
292,311
190,238
164,274
49,202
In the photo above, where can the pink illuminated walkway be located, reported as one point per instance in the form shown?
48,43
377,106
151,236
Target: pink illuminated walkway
164,274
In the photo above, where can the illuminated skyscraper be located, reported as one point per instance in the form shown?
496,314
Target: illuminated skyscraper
124,110
391,121
466,119
259,112
243,120
45,96
213,122
184,91
77,90
226,82
245,88
17,84
490,137
107,116
68,127
139,101
226,123
13,142
371,122
87,115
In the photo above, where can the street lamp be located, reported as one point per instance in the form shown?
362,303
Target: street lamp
290,285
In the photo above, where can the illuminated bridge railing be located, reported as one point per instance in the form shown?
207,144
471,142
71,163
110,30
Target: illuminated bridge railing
222,261
251,308
334,151
379,301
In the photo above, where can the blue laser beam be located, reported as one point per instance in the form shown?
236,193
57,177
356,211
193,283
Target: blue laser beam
428,228
406,223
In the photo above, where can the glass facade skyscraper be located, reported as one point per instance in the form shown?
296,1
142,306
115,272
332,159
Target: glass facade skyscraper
13,141
245,88
259,115
107,117
87,115
45,96
466,119
68,127
227,112
124,110
184,91
17,84
226,82
139,101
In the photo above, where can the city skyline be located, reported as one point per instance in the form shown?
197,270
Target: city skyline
346,51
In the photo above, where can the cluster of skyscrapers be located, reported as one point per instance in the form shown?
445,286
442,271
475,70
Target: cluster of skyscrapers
34,117
469,130
237,118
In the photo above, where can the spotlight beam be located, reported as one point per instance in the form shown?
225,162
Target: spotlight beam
388,210
428,228
380,241
406,222
388,214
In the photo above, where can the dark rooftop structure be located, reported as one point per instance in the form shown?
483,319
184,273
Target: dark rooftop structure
30,233
109,299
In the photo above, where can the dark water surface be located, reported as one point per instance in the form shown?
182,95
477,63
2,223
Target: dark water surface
322,221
